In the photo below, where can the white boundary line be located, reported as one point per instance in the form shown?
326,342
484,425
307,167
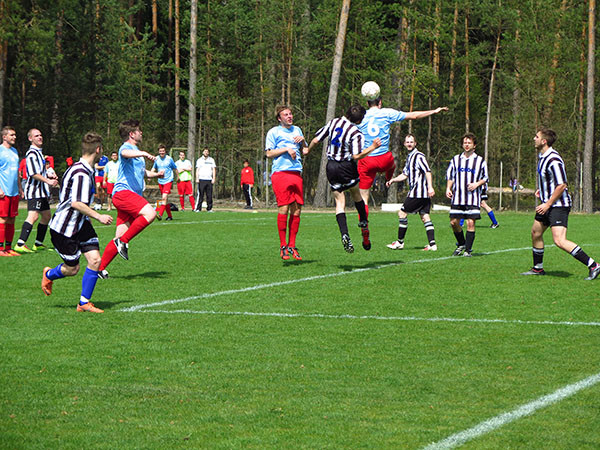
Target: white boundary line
518,413
300,280
355,317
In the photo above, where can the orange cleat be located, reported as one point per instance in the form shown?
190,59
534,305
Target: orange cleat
12,252
89,307
294,252
46,283
5,253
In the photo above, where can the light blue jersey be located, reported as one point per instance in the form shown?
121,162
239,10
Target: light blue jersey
376,124
131,172
9,171
281,137
168,165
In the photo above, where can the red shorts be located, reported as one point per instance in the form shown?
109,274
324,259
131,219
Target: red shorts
165,188
288,187
128,205
372,165
110,187
100,181
184,187
9,206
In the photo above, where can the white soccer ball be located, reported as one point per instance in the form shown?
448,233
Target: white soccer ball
97,206
370,90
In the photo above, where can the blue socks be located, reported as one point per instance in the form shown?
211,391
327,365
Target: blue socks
55,273
88,283
492,217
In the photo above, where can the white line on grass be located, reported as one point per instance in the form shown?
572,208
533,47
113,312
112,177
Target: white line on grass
354,317
300,280
232,222
522,411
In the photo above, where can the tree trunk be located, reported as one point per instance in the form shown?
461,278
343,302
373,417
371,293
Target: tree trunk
581,102
488,114
453,51
154,19
516,112
177,79
54,124
191,146
555,55
3,60
467,84
588,200
321,193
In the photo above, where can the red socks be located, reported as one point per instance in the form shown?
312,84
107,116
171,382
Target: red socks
192,202
136,228
2,235
9,235
294,226
282,227
110,251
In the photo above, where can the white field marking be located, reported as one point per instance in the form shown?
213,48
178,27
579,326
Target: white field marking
354,317
522,411
301,280
233,222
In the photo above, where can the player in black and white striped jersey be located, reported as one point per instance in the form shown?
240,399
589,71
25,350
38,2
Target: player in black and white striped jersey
344,148
417,172
37,193
466,174
70,228
555,207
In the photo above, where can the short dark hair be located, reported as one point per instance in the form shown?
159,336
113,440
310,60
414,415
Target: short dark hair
374,102
6,129
161,146
548,134
280,108
245,161
90,142
355,113
412,136
128,126
113,152
468,136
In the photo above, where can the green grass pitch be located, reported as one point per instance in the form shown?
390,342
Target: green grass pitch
242,349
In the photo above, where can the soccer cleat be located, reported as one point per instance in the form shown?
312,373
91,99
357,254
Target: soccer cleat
12,252
46,282
396,245
459,250
430,248
159,217
467,254
534,271
22,249
122,248
494,225
594,271
169,218
283,253
103,274
5,253
39,248
347,243
364,229
89,307
294,252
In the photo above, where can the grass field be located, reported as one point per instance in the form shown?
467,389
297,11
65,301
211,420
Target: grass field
210,340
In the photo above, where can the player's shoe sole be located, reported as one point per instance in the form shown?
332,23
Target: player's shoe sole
46,282
283,253
459,250
89,307
347,243
430,248
39,248
22,249
12,252
122,248
494,225
364,229
294,252
4,253
533,271
467,254
594,271
396,245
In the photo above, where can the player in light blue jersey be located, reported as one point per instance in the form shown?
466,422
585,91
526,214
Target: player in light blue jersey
165,163
286,145
10,189
134,213
376,124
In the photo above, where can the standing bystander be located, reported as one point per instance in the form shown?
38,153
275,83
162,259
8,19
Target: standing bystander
10,189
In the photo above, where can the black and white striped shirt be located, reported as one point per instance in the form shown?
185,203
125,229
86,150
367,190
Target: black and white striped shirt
77,186
551,173
464,171
345,139
36,165
415,169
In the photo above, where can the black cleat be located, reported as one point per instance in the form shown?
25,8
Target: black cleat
534,271
103,274
467,254
460,249
122,248
594,271
364,229
347,243
494,225
169,218
159,217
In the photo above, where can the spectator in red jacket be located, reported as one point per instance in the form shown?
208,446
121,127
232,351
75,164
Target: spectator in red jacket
247,181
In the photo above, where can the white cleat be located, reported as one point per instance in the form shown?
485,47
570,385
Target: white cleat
430,248
396,245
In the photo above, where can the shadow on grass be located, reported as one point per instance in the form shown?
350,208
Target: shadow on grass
133,276
294,262
558,273
101,305
371,265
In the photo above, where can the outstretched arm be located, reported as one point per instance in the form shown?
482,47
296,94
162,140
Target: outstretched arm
422,114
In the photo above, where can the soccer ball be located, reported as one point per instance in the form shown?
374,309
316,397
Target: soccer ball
97,206
370,90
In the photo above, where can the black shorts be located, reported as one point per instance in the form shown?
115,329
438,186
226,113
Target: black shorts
465,212
342,175
71,248
416,205
38,204
557,216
